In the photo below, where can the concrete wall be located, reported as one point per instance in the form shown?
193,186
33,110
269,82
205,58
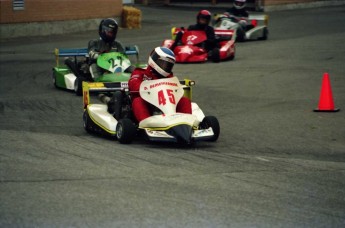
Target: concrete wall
258,2
281,2
59,10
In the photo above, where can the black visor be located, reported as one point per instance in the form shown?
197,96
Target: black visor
107,29
239,3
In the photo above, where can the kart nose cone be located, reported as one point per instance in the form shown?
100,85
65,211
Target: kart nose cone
182,133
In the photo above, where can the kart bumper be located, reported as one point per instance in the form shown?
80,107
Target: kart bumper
181,133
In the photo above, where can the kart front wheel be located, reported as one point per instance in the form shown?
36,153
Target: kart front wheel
78,85
86,122
211,121
125,131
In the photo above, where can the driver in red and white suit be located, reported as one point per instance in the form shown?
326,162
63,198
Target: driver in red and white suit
160,64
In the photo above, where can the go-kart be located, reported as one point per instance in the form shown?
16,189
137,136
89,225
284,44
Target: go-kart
114,116
255,27
192,46
74,71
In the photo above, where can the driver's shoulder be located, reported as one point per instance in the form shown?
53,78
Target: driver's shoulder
192,27
117,43
209,28
138,72
93,43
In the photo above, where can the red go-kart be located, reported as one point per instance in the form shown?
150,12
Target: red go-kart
191,48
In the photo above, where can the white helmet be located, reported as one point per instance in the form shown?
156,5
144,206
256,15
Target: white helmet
239,4
162,60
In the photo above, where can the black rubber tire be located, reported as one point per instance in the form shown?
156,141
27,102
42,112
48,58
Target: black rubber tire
78,85
215,55
265,34
115,105
86,122
72,66
232,57
211,121
125,131
241,35
54,80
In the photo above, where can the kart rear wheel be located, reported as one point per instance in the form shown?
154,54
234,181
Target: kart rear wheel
211,121
241,34
72,66
78,85
125,131
264,34
232,57
215,55
115,104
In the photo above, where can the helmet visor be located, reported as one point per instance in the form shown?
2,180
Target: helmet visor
108,30
239,4
166,66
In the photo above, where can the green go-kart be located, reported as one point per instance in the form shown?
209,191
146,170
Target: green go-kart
70,75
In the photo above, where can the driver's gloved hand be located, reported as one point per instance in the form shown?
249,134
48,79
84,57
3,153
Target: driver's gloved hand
179,36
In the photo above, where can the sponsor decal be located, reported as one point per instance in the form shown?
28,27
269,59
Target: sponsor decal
191,38
163,83
124,84
204,132
157,133
174,116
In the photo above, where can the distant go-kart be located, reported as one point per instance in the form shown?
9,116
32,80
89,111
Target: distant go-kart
114,116
74,71
192,46
255,27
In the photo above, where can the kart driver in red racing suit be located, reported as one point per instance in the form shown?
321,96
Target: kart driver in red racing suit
160,64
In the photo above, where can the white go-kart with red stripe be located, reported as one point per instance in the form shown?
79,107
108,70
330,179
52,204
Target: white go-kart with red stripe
165,124
255,27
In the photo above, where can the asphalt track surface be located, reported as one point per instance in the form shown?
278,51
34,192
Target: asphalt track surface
276,164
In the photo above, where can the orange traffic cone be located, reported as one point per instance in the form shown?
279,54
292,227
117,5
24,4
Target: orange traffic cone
326,103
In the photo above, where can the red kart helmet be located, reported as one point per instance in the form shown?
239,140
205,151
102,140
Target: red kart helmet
239,4
203,15
162,60
108,29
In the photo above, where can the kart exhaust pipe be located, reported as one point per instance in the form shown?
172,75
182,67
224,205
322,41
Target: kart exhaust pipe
103,98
